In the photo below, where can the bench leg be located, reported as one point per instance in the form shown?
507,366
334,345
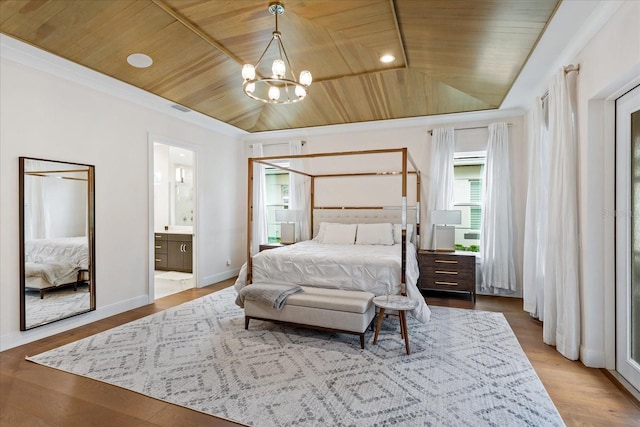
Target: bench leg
246,322
362,340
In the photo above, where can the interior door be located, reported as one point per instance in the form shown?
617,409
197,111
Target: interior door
628,236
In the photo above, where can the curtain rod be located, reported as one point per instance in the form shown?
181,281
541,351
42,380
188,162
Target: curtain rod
430,131
568,69
271,144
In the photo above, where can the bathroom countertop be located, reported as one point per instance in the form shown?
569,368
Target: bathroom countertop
176,230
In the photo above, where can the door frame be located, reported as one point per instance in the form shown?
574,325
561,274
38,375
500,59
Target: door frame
629,369
153,138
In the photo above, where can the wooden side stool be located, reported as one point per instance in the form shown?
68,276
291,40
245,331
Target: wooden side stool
401,304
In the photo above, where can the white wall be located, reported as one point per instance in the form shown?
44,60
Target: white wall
46,116
412,134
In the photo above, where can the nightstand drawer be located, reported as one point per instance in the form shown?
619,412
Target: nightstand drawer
447,272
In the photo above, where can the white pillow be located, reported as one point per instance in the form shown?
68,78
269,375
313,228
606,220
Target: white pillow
397,232
338,234
321,230
374,234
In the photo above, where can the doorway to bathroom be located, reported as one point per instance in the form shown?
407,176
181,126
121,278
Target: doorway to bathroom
173,197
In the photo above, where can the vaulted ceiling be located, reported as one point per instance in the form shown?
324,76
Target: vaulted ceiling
451,55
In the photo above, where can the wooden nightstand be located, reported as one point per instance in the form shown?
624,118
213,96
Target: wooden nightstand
266,246
447,271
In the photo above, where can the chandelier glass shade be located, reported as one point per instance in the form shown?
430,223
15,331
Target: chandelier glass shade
280,86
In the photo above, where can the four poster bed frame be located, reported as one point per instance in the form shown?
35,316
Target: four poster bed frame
406,167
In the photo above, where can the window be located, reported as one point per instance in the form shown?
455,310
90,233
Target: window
468,172
277,181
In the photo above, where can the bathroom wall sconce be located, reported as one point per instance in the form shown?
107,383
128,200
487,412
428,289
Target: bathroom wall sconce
180,174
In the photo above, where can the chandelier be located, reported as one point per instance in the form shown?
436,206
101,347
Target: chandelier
281,87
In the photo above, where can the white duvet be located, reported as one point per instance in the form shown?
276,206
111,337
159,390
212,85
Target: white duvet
71,250
373,268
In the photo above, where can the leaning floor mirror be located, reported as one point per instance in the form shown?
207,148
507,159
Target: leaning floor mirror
57,269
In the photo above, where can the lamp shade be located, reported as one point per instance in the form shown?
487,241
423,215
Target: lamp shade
446,217
287,215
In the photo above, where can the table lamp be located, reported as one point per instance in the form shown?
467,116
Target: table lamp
444,232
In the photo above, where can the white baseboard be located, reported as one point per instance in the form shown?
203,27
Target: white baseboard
215,278
15,339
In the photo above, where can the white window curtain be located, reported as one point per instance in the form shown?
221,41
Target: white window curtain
259,202
299,192
496,239
561,322
535,226
37,216
441,184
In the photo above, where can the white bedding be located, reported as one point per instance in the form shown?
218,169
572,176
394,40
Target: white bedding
72,250
373,268
54,262
42,276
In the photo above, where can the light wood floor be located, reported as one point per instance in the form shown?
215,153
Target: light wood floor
34,395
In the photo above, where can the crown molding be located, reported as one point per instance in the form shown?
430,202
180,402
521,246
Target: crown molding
25,54
573,25
412,122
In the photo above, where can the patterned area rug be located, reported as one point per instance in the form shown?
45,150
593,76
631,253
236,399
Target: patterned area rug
466,368
56,304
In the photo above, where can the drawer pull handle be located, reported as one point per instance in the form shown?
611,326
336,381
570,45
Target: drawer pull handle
447,283
444,261
158,247
446,272
158,260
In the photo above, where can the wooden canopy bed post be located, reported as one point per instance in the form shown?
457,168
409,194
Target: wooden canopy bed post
406,158
418,209
313,204
249,218
404,219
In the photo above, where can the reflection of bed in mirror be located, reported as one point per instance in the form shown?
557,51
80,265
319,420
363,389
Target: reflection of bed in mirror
53,263
57,277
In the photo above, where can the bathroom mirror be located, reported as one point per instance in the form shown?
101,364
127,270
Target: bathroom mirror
57,269
173,176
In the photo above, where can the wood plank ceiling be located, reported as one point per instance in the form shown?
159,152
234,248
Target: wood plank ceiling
451,55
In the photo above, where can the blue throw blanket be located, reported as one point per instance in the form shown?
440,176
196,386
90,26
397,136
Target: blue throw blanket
273,294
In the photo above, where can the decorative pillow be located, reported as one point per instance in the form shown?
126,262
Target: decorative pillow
374,234
339,234
397,232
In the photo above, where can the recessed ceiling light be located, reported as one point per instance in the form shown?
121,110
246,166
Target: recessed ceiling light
387,58
139,60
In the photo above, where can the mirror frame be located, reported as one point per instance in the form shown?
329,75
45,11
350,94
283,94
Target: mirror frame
91,240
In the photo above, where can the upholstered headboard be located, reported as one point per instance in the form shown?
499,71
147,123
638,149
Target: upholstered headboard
361,216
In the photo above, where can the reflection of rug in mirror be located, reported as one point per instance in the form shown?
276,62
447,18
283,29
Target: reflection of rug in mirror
174,275
466,368
56,304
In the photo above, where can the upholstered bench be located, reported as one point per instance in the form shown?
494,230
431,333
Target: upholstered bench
334,310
